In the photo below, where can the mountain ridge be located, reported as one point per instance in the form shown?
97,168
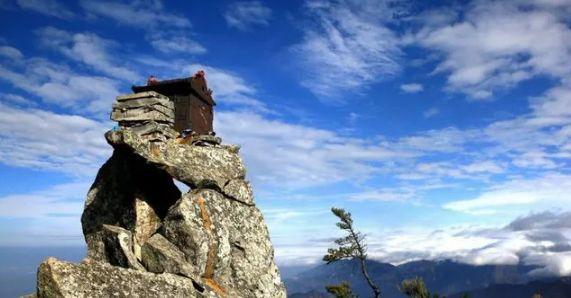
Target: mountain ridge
445,277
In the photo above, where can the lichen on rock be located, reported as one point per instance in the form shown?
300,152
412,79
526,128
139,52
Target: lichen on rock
147,239
96,279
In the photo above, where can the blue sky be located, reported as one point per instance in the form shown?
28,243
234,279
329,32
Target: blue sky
444,128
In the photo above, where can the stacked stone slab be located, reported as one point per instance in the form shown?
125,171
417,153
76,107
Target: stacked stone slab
149,114
147,239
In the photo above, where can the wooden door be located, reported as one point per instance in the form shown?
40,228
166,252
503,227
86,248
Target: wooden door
182,112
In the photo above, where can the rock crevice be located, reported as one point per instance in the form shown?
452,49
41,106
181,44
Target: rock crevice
147,239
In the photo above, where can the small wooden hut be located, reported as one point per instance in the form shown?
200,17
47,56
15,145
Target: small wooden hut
192,99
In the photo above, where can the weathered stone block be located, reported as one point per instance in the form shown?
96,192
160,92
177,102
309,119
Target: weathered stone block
147,222
159,256
118,244
239,190
94,279
193,165
123,179
228,242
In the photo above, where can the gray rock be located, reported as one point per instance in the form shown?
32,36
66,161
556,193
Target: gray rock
206,140
239,190
145,106
159,256
147,222
231,147
227,241
95,279
124,178
146,94
151,131
118,244
211,242
196,166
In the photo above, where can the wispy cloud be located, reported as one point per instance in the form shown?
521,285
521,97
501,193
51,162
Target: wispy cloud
296,156
495,45
229,88
58,84
411,88
52,8
166,32
16,99
247,14
346,48
10,52
43,140
142,14
42,211
89,49
547,191
175,43
431,113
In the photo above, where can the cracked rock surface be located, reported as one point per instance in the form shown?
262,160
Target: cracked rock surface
147,239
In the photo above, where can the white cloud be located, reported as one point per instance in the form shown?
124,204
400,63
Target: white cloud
228,87
247,14
59,85
297,156
62,199
553,108
540,240
11,53
16,99
384,195
411,88
487,166
347,48
544,244
142,14
166,32
176,44
431,112
449,139
534,159
52,216
549,190
497,44
37,139
558,264
87,48
48,7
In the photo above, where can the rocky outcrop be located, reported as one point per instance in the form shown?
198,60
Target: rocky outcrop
225,241
147,239
97,279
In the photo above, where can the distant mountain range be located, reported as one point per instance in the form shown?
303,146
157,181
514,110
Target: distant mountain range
559,288
443,277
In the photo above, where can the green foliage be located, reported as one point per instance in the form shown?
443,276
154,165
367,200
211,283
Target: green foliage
350,246
342,290
414,288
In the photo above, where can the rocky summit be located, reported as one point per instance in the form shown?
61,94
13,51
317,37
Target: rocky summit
147,239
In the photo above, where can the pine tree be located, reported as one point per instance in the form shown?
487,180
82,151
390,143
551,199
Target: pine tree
414,288
352,246
342,290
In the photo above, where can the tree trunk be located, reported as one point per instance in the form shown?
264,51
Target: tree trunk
376,289
362,258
